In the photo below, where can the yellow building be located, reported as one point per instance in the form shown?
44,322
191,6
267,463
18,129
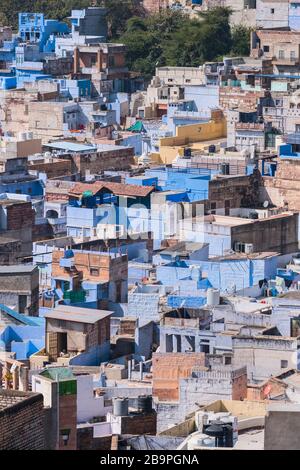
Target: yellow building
194,136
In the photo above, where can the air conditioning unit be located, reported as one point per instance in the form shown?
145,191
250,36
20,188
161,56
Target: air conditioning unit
248,248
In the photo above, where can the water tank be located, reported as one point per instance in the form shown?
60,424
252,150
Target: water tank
120,407
144,403
211,149
223,433
195,273
69,254
213,297
225,168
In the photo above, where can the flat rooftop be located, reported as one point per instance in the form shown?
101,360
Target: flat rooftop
76,314
237,256
183,248
11,202
228,221
71,146
16,269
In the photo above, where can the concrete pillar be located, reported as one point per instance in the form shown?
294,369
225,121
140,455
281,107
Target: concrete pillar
129,369
24,379
99,60
141,370
176,343
76,60
15,379
132,364
6,372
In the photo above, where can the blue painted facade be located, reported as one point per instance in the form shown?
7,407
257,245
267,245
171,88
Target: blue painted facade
7,81
23,340
142,180
93,357
7,51
177,301
224,274
34,28
294,15
74,88
30,187
195,182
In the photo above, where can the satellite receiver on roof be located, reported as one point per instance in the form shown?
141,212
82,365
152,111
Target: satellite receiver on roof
266,204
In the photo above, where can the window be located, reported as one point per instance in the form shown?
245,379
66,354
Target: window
111,61
94,271
213,207
284,364
272,11
297,128
281,54
227,360
293,55
266,48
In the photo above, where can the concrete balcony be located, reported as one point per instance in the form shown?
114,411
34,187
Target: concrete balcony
286,61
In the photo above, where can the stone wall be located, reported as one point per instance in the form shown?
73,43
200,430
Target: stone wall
22,424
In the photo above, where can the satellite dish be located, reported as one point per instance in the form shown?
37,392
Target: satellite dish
266,204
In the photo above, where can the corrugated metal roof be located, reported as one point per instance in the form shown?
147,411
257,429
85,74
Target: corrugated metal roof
76,314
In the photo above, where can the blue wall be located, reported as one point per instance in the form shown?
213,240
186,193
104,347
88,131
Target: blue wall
23,340
32,188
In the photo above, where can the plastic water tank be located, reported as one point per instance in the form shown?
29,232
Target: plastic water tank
213,297
120,407
195,273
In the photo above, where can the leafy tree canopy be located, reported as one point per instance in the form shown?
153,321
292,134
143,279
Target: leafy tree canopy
169,38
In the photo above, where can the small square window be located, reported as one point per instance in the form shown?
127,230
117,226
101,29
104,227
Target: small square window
284,364
94,272
272,11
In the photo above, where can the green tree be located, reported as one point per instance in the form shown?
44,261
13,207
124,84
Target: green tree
119,12
241,40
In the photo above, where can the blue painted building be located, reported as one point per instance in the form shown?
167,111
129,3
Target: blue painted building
34,28
7,51
20,334
294,15
194,181
8,81
227,274
72,89
31,186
